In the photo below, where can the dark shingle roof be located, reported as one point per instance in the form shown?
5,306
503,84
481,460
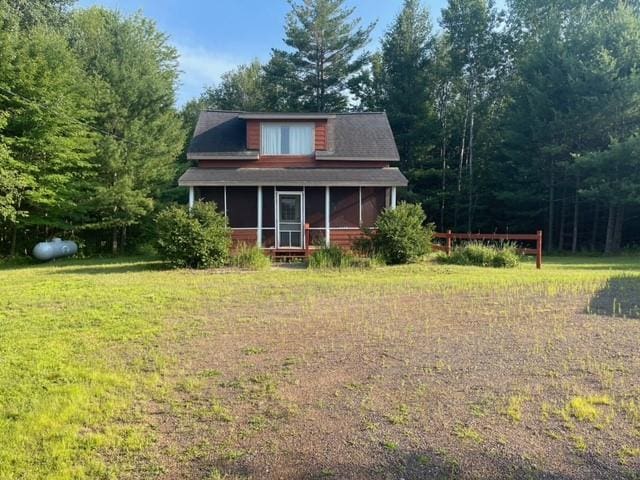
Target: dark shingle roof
351,136
348,177
219,134
360,136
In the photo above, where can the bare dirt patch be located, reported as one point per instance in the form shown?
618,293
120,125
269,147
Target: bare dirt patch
397,381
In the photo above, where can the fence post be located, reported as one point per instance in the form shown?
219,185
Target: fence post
307,239
539,249
449,242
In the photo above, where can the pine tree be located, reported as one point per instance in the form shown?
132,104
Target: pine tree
406,55
326,52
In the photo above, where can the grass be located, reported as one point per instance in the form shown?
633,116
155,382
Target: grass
514,408
467,433
585,409
243,361
249,257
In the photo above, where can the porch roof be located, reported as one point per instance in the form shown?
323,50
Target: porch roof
339,177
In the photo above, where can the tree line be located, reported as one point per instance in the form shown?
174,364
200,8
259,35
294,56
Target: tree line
89,131
506,120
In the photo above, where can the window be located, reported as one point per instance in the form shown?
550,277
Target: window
293,139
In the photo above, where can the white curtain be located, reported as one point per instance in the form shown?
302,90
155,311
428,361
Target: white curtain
300,139
276,139
271,140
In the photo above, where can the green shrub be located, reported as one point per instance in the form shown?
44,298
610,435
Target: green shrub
196,238
250,257
401,236
483,255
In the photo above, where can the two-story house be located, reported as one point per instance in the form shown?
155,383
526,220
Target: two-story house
272,173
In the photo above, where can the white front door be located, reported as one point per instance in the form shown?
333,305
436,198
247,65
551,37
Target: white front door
290,225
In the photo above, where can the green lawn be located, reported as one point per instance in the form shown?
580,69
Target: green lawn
125,369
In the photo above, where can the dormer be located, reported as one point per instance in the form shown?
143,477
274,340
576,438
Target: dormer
267,140
291,134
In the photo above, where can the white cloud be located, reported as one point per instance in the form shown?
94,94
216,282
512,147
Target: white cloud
201,68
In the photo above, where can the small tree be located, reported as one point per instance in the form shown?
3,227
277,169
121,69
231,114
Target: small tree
196,238
401,235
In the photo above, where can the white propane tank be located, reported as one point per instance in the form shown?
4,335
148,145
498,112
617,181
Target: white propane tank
56,248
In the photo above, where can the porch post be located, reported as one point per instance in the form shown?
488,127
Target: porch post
191,197
360,206
327,220
225,200
393,197
259,233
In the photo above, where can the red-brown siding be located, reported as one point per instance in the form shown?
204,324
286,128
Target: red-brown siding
253,135
344,238
244,236
321,135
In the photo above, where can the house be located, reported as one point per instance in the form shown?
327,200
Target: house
273,173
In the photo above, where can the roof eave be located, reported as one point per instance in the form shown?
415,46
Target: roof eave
222,156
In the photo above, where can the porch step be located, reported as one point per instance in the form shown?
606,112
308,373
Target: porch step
289,255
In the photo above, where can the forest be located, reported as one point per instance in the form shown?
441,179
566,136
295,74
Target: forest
506,120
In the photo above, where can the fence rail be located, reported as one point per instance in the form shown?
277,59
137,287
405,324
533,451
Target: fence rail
450,237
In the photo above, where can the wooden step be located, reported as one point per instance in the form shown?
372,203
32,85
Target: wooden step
288,255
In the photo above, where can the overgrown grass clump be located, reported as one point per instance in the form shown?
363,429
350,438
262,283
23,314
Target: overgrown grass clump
332,257
483,255
250,257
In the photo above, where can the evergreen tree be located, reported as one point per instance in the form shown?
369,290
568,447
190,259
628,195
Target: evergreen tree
326,52
406,55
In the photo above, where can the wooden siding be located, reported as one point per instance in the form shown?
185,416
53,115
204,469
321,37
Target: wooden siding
244,236
253,135
344,238
321,135
273,161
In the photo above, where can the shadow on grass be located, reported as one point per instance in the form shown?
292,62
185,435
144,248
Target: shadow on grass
88,266
100,267
620,297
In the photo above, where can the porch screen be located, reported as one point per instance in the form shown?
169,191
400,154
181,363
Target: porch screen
373,202
345,208
211,194
242,207
314,208
268,205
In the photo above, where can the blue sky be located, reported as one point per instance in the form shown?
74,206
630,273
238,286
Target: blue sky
213,36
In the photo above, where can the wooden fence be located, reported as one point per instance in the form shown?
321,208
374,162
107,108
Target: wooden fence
450,237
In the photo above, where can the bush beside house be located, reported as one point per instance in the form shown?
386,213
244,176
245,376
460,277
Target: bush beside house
400,235
196,238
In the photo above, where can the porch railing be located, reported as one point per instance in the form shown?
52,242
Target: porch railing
450,237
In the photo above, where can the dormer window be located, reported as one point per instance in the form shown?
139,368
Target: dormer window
287,139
